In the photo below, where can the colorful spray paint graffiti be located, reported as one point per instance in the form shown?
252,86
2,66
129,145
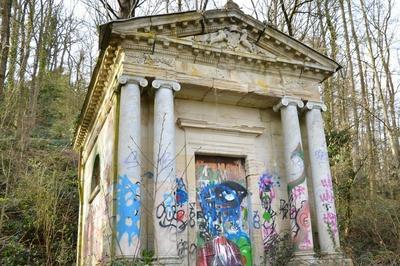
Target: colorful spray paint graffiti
172,212
94,231
181,196
185,249
166,211
223,237
267,193
327,200
128,218
96,225
299,209
256,220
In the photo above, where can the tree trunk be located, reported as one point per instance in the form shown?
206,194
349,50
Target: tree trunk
127,8
389,128
364,99
5,41
26,38
355,146
15,30
39,65
385,48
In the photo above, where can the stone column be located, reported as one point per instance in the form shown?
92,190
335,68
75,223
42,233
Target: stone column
298,205
129,169
164,170
322,180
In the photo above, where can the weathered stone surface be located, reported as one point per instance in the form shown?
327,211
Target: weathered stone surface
170,88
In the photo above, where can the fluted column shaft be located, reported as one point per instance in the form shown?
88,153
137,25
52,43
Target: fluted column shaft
129,167
322,181
296,175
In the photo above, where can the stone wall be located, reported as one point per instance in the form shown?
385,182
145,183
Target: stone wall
97,203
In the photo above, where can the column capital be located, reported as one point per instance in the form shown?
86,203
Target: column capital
126,79
288,100
315,105
170,84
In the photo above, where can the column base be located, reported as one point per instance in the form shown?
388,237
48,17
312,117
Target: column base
311,258
302,258
161,261
170,260
122,260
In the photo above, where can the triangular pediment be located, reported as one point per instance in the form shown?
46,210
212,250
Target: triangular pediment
226,31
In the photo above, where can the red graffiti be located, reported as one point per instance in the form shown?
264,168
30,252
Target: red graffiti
180,215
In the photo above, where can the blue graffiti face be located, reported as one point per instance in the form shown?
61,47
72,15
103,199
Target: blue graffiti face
128,208
229,195
220,204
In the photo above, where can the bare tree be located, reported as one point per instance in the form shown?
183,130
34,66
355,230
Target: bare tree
4,40
290,11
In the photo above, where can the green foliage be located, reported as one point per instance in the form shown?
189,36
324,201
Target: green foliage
15,253
375,232
281,252
39,195
147,256
42,217
369,225
339,147
59,105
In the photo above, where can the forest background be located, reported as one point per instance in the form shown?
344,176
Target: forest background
48,50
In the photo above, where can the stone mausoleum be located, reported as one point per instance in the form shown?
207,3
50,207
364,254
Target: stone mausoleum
201,142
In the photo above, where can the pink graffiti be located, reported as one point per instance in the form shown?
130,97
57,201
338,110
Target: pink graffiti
270,235
306,244
268,230
303,218
293,212
303,237
298,192
330,220
327,196
327,183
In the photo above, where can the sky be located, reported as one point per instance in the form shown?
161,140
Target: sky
80,9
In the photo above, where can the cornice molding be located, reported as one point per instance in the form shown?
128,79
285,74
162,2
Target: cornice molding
96,93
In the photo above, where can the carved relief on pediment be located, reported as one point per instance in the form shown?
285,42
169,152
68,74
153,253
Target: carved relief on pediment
159,60
149,59
233,38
